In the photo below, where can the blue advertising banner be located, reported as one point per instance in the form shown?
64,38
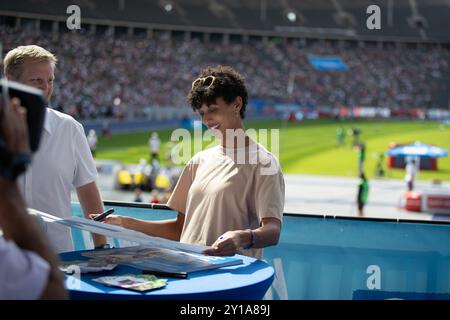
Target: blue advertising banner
327,63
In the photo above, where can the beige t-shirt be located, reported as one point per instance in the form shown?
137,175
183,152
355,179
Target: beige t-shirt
220,191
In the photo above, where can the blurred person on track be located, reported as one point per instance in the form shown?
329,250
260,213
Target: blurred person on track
363,193
411,174
154,144
92,141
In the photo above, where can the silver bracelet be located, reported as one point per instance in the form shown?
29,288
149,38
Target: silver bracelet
252,239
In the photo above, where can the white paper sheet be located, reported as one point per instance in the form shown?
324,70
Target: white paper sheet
110,230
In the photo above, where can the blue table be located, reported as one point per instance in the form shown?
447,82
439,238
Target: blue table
248,281
321,257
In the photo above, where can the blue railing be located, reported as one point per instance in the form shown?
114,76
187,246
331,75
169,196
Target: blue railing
322,257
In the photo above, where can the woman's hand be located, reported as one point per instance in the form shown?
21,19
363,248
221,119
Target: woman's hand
226,245
113,219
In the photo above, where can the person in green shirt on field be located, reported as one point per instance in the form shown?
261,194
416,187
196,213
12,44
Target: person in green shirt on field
340,136
363,193
361,157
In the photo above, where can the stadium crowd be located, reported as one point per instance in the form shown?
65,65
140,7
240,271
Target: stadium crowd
103,76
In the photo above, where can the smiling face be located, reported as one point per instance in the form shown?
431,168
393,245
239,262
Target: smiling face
225,122
219,96
221,115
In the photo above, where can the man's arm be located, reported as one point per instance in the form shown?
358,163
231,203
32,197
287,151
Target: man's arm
91,203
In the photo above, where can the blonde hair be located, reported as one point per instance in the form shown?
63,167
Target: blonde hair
14,59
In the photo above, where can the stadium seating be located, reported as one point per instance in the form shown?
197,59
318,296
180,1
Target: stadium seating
133,75
120,77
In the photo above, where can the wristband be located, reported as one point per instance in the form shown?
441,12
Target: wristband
252,239
12,164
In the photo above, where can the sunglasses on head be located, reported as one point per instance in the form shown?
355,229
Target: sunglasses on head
204,82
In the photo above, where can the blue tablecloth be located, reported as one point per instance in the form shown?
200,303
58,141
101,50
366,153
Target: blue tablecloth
248,281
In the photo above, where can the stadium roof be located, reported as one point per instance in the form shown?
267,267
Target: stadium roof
416,20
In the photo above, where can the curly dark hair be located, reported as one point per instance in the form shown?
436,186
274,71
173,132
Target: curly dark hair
228,85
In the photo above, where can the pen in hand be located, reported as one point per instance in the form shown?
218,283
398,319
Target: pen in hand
103,215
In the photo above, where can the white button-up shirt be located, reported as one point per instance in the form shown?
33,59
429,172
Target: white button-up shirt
23,274
62,162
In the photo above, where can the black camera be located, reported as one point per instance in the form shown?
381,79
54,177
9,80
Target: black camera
33,101
13,164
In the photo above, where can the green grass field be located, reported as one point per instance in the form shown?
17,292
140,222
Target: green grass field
309,147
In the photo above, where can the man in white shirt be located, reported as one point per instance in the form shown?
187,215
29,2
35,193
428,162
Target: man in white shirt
28,266
154,143
64,160
411,174
92,141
